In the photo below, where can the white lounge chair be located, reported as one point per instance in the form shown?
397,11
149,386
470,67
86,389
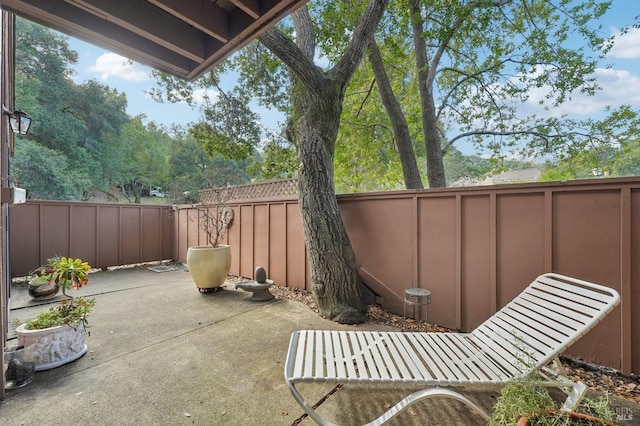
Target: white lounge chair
525,337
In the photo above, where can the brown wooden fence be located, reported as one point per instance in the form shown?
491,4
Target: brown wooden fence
102,234
474,248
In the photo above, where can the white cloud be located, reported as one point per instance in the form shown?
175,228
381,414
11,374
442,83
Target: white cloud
203,96
627,46
113,65
618,87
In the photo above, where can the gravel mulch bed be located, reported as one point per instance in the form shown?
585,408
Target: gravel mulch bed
597,378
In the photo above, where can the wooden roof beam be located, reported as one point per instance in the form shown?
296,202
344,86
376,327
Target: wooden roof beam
205,16
152,23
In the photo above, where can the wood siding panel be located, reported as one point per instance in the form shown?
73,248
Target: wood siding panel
475,286
233,239
378,232
261,239
152,235
84,230
297,271
247,241
108,241
130,235
55,230
520,235
278,243
24,239
587,245
437,260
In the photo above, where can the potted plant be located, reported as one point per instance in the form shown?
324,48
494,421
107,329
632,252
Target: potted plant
41,285
57,336
527,403
209,264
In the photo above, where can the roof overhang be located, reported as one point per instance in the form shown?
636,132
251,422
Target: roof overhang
184,38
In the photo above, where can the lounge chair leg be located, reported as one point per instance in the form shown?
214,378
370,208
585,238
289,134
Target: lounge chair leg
308,408
424,394
573,398
396,409
557,376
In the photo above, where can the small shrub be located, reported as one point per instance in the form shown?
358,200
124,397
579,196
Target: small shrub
67,312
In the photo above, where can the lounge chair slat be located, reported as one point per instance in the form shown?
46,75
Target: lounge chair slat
348,355
396,357
549,326
435,371
529,333
603,296
328,355
303,360
377,358
370,363
452,371
564,325
358,356
318,351
414,363
341,373
480,366
456,358
493,369
388,363
571,304
500,348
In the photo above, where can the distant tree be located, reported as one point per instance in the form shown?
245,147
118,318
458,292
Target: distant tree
137,157
627,160
602,160
44,173
277,160
192,169
72,119
458,166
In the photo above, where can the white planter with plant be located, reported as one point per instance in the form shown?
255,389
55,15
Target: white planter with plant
57,336
209,264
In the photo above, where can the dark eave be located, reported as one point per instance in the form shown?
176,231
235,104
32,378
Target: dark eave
184,38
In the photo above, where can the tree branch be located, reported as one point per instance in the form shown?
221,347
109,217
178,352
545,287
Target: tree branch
287,51
454,27
544,136
360,39
373,82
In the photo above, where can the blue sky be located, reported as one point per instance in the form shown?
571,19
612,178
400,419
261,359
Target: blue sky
620,83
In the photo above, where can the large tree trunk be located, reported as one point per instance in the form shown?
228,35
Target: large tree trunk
412,179
334,274
317,104
435,162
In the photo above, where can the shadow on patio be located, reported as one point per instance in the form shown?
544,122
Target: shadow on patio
162,353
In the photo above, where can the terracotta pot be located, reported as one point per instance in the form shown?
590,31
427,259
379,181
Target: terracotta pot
209,266
54,346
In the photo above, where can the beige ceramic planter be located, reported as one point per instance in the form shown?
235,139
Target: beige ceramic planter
209,266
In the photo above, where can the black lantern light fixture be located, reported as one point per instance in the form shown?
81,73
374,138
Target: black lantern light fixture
18,120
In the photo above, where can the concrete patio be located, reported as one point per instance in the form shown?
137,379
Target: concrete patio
162,353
